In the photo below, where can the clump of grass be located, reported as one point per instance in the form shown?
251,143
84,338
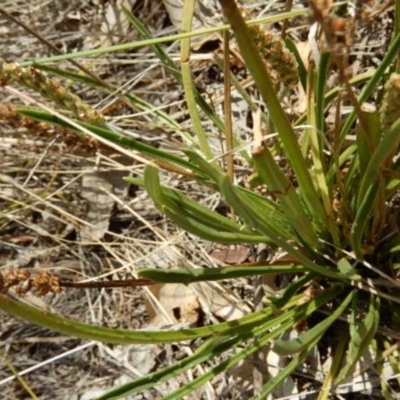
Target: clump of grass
332,211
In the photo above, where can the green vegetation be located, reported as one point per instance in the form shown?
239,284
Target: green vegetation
332,210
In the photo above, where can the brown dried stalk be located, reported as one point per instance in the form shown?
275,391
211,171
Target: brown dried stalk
41,283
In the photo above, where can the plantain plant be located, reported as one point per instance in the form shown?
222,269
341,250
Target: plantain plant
332,209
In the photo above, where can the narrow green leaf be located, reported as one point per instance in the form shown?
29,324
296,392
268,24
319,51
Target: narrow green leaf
337,357
277,182
296,362
347,270
192,275
316,144
222,367
360,222
112,137
108,335
256,201
263,224
370,184
187,82
372,82
320,89
374,171
291,46
214,235
264,335
367,144
130,98
208,168
333,93
288,293
164,39
194,218
210,349
264,84
287,347
361,335
70,75
173,67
